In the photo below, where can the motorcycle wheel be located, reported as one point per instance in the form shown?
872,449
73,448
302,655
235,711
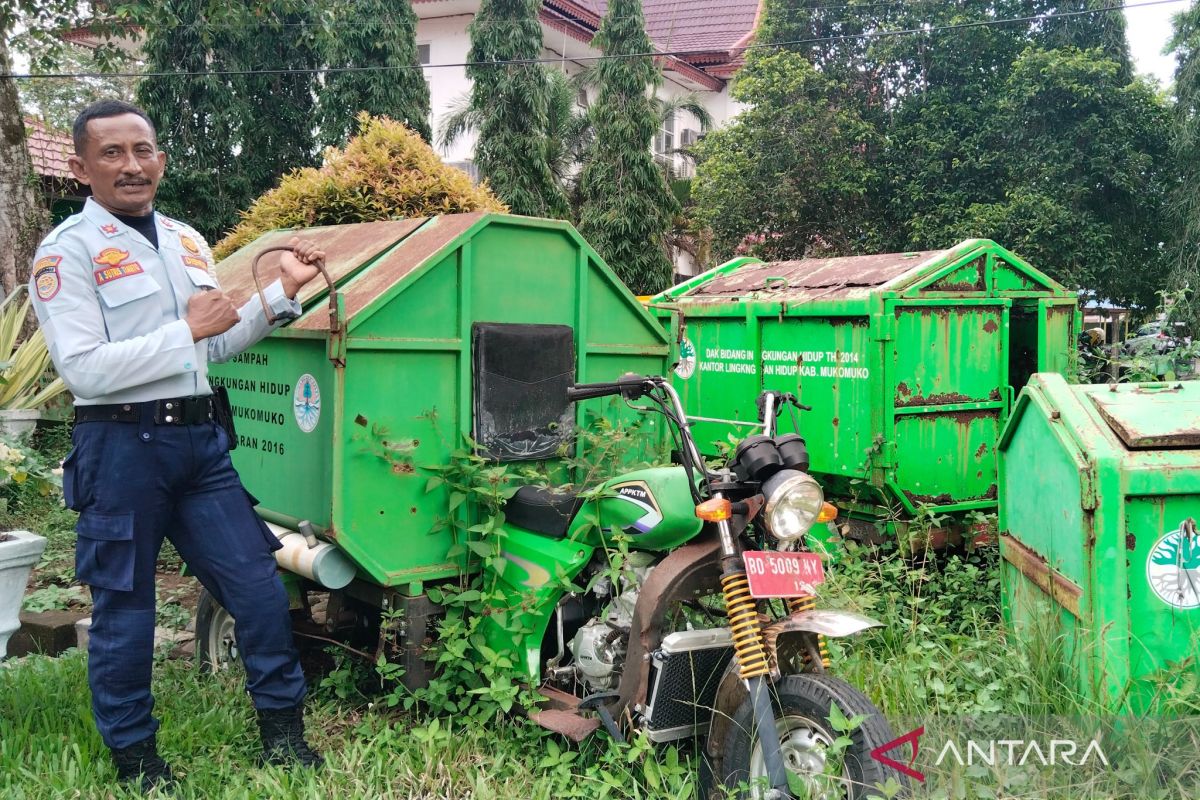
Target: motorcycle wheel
802,707
216,644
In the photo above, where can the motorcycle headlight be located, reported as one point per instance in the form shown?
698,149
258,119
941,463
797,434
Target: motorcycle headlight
794,501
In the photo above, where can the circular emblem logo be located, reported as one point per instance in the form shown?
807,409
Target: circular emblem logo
687,359
306,403
1173,568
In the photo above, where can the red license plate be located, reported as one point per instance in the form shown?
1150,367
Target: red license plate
783,574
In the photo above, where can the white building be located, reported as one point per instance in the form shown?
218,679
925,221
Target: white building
708,37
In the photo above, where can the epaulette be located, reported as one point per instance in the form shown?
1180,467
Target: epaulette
69,222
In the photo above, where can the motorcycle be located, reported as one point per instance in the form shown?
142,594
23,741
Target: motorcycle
758,686
700,633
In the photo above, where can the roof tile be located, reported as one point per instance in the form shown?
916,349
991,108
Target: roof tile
48,148
718,25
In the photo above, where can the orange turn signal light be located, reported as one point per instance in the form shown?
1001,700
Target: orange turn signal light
829,513
715,510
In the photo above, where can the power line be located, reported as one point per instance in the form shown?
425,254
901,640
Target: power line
680,54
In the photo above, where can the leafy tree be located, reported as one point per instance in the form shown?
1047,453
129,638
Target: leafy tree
23,217
1185,199
567,128
229,136
385,171
791,172
57,101
373,33
1032,133
1086,174
627,206
512,103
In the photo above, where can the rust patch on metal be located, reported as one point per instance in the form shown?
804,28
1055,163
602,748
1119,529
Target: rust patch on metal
688,571
567,723
942,399
347,247
943,499
967,417
793,653
990,326
417,249
902,388
811,278
982,451
994,395
1033,566
835,422
1130,541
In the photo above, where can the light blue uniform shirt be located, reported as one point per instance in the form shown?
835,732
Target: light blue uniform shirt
113,309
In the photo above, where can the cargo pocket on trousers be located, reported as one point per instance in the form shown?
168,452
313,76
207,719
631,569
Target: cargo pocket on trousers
70,493
104,550
273,542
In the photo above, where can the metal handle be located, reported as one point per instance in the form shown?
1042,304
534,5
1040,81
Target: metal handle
334,325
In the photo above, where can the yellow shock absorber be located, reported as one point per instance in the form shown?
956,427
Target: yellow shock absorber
808,603
745,625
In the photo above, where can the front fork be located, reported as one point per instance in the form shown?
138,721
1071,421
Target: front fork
746,628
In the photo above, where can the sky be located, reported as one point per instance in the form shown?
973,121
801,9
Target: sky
1149,29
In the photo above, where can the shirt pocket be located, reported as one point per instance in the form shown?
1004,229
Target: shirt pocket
201,279
104,550
121,292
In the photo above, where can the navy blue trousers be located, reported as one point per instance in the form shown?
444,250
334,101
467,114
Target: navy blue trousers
133,484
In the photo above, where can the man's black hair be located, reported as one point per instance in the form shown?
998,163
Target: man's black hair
102,109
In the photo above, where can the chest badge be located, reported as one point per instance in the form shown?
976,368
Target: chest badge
189,244
114,264
109,229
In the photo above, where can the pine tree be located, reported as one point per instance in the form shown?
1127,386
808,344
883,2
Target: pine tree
627,206
229,137
373,33
511,101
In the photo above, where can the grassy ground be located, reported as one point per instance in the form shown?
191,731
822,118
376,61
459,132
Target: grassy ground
49,748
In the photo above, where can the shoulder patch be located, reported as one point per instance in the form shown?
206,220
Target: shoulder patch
189,244
46,279
195,261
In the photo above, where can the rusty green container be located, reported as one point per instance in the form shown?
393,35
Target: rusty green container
909,360
1099,497
453,326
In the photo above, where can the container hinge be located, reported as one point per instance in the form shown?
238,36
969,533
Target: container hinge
337,329
1087,488
884,327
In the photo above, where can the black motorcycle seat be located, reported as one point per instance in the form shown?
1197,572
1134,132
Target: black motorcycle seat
542,511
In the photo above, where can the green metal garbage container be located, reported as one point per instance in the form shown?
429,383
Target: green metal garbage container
453,326
910,362
1099,497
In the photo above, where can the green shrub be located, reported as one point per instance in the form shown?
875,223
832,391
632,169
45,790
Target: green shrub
385,172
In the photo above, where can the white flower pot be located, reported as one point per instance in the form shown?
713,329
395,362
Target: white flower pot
19,421
18,554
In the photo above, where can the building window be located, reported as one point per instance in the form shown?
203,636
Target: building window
664,142
423,54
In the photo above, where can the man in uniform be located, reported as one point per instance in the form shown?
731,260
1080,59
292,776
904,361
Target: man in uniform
132,315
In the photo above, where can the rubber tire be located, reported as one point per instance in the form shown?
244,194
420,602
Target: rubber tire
208,613
810,696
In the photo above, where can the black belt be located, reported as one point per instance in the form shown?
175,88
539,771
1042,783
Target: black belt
172,411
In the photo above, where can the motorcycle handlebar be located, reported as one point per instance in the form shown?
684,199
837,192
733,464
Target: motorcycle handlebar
632,386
